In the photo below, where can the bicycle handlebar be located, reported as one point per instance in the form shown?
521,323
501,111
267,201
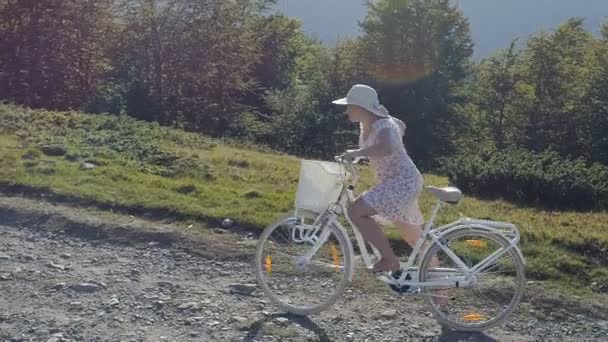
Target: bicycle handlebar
350,165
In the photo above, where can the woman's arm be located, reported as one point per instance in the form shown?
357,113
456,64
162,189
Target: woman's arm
382,147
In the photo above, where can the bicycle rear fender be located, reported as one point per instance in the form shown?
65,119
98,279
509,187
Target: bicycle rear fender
505,229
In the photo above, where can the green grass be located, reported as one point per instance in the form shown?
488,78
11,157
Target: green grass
142,166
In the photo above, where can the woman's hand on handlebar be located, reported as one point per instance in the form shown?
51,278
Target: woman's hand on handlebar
351,156
344,158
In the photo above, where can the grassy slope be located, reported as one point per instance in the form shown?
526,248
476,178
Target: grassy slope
143,166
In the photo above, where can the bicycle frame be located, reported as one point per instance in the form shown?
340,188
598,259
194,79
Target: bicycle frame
461,277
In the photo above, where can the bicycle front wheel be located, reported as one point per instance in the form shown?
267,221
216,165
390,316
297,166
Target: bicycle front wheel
482,299
293,282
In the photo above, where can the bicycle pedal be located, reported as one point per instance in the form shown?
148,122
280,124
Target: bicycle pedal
393,283
405,289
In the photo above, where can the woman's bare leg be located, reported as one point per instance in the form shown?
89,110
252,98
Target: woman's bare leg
361,215
411,233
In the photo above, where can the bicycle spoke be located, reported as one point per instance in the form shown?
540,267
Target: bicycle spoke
296,282
489,294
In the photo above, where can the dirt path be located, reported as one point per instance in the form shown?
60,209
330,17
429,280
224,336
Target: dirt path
61,282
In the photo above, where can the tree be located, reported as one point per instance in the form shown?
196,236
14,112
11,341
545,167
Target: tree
192,59
575,48
598,103
542,74
300,118
281,41
418,53
348,66
558,67
495,92
50,54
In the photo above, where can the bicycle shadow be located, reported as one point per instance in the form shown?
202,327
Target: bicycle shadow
449,335
257,328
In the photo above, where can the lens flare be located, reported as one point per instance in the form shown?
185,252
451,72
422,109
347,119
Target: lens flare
401,73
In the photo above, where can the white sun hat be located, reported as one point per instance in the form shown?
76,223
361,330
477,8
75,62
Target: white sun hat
366,97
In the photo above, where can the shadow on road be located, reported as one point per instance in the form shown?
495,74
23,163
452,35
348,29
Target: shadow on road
448,335
256,330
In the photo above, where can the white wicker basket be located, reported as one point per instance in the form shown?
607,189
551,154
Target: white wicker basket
319,186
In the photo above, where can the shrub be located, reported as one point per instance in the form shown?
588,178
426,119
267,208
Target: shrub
543,179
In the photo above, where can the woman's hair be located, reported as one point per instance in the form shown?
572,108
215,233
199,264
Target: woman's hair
402,126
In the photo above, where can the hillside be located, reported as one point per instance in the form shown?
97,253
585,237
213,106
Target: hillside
132,166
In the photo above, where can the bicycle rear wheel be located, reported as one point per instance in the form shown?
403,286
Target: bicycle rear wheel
297,285
487,297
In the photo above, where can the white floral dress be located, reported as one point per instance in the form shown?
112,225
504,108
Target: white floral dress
395,198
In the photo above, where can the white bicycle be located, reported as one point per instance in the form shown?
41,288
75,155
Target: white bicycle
305,260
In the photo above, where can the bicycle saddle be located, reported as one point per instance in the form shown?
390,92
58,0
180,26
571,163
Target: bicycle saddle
448,194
